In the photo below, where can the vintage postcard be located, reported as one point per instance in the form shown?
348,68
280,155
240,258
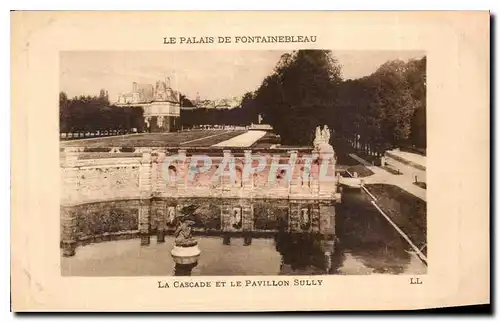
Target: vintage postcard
249,161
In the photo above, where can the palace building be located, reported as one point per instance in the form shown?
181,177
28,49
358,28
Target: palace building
161,105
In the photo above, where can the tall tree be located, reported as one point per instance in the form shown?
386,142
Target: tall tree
299,94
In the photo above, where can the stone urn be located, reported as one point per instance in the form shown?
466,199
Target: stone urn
186,251
185,255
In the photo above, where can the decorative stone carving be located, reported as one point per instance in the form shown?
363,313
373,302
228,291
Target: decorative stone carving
321,144
317,136
159,121
305,220
236,219
326,134
171,215
183,234
321,136
186,251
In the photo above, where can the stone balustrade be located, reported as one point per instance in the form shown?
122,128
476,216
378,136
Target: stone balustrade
181,173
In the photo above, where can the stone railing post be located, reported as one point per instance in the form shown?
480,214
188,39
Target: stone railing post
247,179
181,170
157,173
145,176
225,179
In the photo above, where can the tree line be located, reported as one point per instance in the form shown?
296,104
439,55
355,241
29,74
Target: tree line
385,109
95,113
305,89
238,116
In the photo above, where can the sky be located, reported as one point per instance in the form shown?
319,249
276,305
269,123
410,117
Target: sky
212,74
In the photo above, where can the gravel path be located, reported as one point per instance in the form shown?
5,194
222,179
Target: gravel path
243,140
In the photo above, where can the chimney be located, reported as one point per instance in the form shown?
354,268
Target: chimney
134,87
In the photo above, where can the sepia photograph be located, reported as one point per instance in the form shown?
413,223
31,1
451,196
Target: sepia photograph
213,164
243,163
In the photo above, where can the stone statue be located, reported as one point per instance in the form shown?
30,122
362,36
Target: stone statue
326,134
171,216
235,220
322,135
317,137
322,143
159,121
184,235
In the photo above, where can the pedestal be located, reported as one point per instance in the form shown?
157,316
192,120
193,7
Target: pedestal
145,239
247,239
184,269
160,236
185,258
185,255
226,239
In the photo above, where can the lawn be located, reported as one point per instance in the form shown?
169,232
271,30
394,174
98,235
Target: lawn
361,170
405,210
342,151
174,139
266,141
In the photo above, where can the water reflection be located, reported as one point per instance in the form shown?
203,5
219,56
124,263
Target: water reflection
305,253
368,243
303,230
321,238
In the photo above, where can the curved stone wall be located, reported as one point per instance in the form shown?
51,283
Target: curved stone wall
120,197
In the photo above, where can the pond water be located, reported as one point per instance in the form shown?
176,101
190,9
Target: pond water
358,238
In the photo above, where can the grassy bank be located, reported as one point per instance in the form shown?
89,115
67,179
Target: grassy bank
172,139
361,170
405,210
